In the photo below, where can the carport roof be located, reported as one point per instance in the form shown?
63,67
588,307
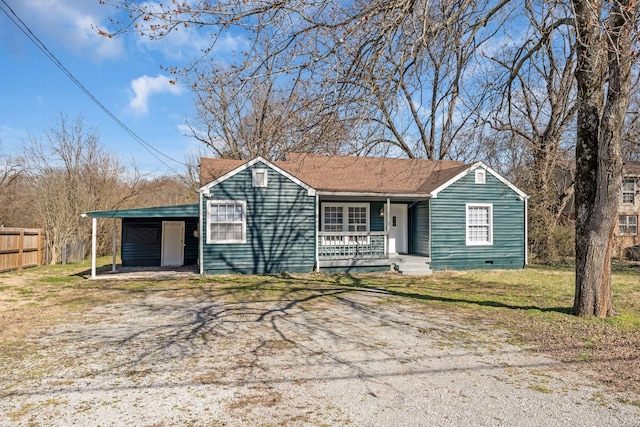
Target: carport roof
181,211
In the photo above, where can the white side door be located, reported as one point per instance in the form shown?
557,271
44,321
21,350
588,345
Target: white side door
172,243
398,229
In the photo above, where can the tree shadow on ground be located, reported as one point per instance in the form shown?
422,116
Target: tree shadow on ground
359,283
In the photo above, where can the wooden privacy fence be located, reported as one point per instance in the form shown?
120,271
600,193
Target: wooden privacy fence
21,248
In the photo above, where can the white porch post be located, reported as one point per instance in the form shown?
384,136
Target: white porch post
387,225
315,234
94,250
526,231
115,245
200,232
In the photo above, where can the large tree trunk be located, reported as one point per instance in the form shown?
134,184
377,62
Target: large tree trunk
604,82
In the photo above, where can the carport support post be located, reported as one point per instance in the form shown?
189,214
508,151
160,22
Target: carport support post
94,250
115,245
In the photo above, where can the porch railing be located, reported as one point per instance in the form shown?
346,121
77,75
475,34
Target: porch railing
370,245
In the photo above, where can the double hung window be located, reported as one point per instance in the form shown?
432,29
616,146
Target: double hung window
479,224
629,191
358,220
628,225
226,221
345,218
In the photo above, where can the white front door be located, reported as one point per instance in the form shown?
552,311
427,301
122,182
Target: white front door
172,243
398,229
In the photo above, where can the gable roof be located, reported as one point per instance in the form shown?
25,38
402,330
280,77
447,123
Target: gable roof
212,169
229,168
352,173
473,167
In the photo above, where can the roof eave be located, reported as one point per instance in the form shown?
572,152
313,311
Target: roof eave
471,168
372,194
205,188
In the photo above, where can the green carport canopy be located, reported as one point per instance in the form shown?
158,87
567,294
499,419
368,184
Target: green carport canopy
181,211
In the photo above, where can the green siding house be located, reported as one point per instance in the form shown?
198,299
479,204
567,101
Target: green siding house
348,214
257,219
338,214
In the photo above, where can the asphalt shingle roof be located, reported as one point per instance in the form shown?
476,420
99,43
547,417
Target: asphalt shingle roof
353,173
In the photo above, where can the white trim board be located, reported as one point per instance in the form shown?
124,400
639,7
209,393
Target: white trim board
473,167
310,191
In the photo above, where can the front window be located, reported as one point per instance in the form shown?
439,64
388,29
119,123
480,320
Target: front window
226,220
332,218
358,218
479,224
629,192
628,224
345,217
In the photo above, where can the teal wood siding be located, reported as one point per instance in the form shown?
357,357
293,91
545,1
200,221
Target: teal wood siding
448,222
142,241
376,222
280,234
419,228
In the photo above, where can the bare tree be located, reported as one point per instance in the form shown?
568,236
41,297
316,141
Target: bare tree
362,77
164,191
11,170
420,85
536,110
631,137
605,35
241,117
70,173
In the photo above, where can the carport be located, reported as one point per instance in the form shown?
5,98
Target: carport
163,236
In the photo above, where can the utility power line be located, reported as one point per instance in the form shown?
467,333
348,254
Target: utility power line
18,22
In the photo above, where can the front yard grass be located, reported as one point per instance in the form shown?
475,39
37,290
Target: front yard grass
534,304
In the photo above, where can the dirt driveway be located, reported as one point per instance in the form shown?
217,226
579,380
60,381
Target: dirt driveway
334,358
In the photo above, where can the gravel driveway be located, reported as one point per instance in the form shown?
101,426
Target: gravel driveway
351,358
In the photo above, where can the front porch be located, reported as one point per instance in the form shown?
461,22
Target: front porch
364,233
353,249
366,250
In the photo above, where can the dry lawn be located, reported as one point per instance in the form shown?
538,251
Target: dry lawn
534,304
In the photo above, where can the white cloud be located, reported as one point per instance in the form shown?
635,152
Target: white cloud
146,86
71,23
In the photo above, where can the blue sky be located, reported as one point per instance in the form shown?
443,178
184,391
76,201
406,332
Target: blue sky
123,73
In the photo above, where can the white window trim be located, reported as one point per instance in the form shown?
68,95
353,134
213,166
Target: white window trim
628,225
243,203
345,215
266,177
481,176
466,220
633,192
